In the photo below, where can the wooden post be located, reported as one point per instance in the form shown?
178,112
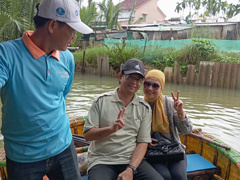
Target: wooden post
177,74
234,76
208,75
221,75
103,65
227,76
190,74
238,78
202,73
215,73
83,64
205,73
168,74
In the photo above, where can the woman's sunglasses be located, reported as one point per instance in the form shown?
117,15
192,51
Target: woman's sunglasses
154,85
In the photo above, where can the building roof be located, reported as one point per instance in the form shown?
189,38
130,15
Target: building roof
235,18
128,4
161,28
215,24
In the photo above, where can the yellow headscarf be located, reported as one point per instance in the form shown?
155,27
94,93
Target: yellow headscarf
159,122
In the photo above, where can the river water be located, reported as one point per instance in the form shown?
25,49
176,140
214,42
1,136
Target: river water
215,111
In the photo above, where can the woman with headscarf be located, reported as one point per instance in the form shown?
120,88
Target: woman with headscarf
169,119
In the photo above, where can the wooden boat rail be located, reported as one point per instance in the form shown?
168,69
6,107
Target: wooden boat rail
216,152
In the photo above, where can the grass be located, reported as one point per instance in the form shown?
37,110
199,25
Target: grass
90,55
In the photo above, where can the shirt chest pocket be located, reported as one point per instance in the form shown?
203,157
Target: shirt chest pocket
133,121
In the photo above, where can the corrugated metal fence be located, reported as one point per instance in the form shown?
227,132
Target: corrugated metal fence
211,74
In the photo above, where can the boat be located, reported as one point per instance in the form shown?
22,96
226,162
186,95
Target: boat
208,157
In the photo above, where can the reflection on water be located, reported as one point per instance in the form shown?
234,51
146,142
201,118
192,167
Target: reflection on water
216,111
84,90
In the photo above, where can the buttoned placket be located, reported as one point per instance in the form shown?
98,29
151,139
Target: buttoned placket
48,74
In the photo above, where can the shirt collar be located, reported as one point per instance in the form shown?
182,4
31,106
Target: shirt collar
135,99
34,50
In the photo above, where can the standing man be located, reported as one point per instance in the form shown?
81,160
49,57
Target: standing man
119,125
36,74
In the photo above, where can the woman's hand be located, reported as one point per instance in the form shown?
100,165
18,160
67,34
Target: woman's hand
153,143
178,105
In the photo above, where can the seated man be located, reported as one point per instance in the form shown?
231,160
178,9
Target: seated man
118,126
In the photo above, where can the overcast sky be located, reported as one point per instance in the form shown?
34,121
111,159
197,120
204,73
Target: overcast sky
167,7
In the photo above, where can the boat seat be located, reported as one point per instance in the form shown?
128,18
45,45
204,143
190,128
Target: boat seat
84,178
199,167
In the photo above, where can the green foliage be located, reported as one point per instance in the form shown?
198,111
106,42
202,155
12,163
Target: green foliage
131,17
88,15
159,57
183,67
199,50
109,13
165,61
204,49
119,54
15,18
90,55
211,7
227,57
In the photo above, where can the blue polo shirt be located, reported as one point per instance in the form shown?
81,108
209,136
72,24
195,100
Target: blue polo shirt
34,87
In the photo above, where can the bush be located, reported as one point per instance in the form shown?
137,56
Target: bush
119,54
199,50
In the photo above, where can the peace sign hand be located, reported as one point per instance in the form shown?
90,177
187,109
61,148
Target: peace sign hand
178,104
119,124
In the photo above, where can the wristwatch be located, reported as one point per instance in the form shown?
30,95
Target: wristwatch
133,168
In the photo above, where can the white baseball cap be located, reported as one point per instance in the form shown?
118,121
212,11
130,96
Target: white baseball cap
65,11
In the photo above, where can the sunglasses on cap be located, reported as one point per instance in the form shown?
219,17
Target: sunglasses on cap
154,85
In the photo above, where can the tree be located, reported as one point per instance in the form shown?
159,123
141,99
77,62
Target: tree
210,7
223,8
132,13
233,10
197,5
88,15
178,7
109,13
15,18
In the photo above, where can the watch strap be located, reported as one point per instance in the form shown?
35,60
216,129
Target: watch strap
133,168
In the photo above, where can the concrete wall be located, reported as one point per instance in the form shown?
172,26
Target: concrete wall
217,32
162,35
220,31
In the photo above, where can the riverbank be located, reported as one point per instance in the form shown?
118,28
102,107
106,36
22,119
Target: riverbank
210,74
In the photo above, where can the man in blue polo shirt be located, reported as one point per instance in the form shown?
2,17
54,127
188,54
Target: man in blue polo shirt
36,74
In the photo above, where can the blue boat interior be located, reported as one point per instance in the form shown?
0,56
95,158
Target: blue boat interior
196,162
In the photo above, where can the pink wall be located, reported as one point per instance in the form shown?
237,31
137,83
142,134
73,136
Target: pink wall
152,11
